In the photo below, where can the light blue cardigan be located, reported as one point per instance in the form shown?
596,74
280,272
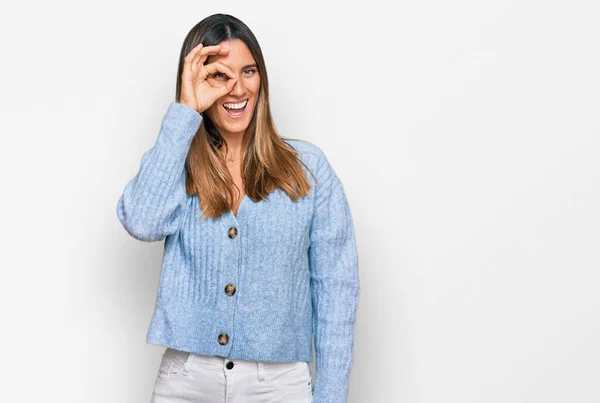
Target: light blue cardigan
294,265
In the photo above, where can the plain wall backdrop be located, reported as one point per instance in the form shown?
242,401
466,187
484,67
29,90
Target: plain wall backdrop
466,134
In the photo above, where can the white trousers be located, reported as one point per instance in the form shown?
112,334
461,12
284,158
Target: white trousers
187,377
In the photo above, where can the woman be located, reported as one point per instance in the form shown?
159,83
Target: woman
259,240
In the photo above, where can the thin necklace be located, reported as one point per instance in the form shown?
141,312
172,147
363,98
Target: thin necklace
229,159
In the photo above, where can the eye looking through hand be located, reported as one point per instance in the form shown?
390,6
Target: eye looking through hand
223,77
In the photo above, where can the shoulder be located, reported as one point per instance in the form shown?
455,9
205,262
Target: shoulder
315,159
310,153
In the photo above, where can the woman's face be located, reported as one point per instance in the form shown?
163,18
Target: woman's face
227,117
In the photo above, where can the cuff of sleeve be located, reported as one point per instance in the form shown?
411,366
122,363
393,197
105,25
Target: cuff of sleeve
179,126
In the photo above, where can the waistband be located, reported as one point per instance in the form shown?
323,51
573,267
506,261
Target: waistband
228,365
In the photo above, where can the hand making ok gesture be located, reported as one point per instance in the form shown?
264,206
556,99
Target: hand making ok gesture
196,92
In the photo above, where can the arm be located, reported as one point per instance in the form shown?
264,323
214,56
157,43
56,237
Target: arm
154,201
335,286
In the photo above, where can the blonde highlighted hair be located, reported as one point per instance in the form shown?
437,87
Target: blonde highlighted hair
267,161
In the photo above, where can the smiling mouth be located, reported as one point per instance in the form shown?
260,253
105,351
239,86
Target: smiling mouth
235,110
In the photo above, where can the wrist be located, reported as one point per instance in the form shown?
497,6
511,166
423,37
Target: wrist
189,106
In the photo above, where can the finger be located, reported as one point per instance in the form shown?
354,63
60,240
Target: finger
194,64
190,56
227,88
193,52
211,50
188,67
215,49
201,57
195,55
214,67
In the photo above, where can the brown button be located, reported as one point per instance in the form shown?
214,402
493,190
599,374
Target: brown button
232,232
223,339
229,289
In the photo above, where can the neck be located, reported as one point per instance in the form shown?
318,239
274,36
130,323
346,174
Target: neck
234,145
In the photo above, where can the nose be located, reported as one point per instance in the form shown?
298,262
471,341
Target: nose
238,88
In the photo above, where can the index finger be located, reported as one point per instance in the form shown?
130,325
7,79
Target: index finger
214,67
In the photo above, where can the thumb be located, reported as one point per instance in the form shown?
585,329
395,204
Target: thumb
226,89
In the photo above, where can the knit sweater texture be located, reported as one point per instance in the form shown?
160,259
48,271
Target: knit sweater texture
294,265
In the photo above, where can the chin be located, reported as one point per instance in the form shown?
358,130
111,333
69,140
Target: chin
236,125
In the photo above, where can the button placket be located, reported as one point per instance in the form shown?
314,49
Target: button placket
230,289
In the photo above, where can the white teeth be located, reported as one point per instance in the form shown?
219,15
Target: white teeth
236,106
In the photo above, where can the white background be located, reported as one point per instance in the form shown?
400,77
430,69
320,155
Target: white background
466,134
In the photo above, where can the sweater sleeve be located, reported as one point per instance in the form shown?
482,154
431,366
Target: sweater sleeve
154,201
335,286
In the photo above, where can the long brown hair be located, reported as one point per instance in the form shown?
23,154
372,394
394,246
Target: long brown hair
267,162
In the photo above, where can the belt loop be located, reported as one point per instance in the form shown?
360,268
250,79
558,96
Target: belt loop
188,364
261,371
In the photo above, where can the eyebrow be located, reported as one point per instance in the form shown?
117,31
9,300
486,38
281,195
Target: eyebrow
248,66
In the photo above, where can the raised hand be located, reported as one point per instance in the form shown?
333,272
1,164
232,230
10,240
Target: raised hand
196,92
